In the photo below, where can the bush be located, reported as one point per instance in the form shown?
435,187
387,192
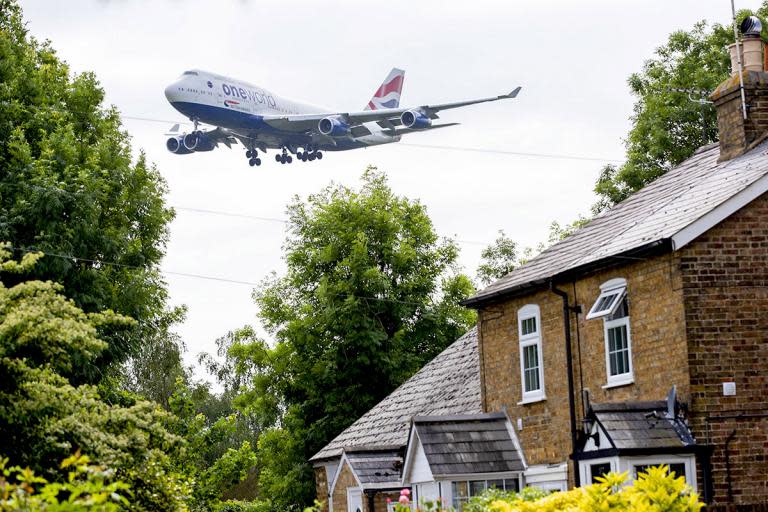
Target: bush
88,488
653,491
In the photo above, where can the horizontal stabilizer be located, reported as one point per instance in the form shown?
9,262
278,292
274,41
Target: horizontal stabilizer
174,130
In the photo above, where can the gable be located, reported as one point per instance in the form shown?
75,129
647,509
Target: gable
418,469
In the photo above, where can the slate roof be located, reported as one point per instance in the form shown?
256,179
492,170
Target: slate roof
641,425
449,384
650,216
377,467
460,445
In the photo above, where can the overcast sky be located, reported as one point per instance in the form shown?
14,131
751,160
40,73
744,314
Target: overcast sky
571,58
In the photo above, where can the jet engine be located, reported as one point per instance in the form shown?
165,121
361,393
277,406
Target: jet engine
415,120
176,145
333,127
198,141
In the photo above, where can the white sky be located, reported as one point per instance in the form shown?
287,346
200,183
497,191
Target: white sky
571,58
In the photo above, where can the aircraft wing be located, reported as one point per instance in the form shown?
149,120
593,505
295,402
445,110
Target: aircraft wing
305,123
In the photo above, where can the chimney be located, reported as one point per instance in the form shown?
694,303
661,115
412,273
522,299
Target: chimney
739,135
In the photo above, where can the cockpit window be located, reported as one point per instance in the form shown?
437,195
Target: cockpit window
190,73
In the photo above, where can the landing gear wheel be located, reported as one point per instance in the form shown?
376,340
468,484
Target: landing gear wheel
277,157
248,154
319,155
288,159
257,161
252,162
312,157
299,154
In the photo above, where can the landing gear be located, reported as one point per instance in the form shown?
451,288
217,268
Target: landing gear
309,154
253,157
284,157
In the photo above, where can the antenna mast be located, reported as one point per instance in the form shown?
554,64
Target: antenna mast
738,60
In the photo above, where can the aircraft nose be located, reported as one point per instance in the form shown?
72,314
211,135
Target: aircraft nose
171,92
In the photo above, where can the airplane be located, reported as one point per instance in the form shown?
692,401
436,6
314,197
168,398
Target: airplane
261,120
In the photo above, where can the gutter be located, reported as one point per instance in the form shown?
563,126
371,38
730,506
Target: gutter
569,362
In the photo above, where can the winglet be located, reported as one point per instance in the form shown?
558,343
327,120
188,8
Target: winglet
174,130
513,94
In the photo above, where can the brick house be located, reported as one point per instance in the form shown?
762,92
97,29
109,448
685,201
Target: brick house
669,288
640,339
362,467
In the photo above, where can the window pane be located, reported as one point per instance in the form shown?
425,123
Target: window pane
512,484
496,484
476,487
618,350
528,325
677,469
598,470
459,489
531,368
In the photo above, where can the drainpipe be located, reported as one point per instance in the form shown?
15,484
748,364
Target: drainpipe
728,465
569,362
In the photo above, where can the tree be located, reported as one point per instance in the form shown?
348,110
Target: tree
369,296
69,187
667,126
44,418
498,259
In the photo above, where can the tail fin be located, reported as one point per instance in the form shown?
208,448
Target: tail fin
388,94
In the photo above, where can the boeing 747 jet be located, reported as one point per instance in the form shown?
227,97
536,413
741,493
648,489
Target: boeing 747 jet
261,120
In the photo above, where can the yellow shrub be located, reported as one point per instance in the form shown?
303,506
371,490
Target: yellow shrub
654,491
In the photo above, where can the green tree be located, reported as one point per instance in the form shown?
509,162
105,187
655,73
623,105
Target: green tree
45,419
69,187
370,295
667,126
498,259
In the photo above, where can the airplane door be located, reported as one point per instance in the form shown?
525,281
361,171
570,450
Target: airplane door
354,499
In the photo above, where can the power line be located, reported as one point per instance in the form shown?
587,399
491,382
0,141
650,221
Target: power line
195,276
229,214
273,219
449,148
511,153
133,267
204,211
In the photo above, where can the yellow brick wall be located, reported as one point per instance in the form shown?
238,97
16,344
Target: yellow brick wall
659,354
346,479
321,486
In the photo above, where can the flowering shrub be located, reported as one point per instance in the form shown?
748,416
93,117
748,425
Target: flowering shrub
88,488
653,491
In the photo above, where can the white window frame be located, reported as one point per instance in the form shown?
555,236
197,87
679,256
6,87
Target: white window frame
617,287
629,463
621,379
585,467
529,340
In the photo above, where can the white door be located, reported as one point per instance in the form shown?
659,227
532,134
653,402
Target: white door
354,499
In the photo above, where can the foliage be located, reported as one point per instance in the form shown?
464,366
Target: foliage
68,187
504,255
498,259
369,296
667,127
87,488
653,491
483,502
44,418
229,469
245,506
